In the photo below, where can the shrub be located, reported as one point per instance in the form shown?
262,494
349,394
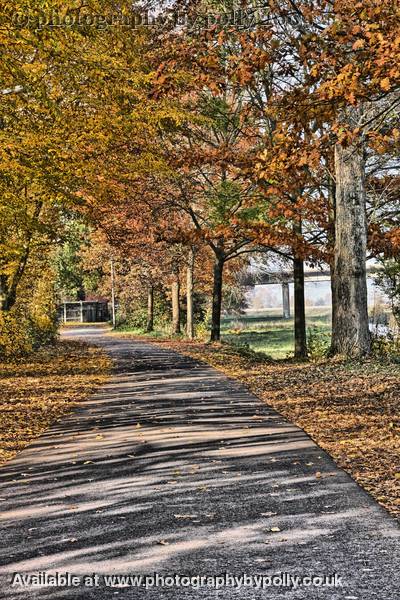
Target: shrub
202,330
388,279
32,321
318,342
134,314
42,312
15,335
386,348
135,319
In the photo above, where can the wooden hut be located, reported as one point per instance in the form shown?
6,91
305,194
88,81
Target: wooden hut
84,311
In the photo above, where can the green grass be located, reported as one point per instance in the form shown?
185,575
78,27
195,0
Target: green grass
268,332
265,331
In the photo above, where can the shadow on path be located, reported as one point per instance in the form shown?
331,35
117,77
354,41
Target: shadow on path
174,468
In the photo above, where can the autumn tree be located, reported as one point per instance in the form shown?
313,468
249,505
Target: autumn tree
54,83
332,90
351,53
206,155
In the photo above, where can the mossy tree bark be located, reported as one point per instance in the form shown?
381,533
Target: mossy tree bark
350,331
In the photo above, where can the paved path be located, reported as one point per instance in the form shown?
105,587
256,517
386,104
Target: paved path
173,468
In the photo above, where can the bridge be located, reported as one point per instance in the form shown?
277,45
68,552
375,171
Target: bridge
284,278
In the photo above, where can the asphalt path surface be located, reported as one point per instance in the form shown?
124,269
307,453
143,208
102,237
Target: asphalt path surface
177,474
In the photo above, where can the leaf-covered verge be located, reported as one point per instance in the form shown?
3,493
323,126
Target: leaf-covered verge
38,390
350,409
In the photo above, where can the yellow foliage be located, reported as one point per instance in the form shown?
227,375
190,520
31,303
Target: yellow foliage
14,338
31,323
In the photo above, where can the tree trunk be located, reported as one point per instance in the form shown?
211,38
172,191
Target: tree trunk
3,289
8,291
189,295
333,296
332,217
350,331
217,298
150,309
285,300
300,336
176,309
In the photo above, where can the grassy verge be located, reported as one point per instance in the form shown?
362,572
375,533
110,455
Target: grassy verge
266,331
351,409
263,331
38,390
